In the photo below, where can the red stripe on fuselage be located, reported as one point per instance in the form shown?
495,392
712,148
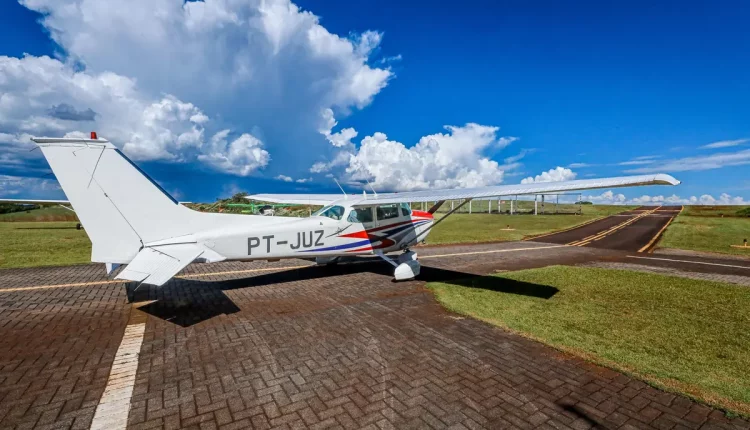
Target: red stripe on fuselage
423,214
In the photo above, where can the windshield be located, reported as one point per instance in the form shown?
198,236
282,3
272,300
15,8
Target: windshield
333,212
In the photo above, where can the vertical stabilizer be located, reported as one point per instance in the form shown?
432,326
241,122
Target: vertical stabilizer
120,207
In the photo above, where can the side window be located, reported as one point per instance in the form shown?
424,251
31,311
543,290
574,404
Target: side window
405,209
387,212
362,215
334,212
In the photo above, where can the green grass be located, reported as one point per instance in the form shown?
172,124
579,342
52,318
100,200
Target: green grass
52,213
710,234
32,244
467,228
680,334
715,211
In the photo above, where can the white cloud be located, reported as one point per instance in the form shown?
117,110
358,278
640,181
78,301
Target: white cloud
707,162
580,165
185,71
284,178
557,174
725,143
608,197
16,186
303,180
240,157
442,160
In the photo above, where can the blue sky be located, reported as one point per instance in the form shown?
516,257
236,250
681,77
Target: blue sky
579,89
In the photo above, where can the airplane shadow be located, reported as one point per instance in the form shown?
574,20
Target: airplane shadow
186,302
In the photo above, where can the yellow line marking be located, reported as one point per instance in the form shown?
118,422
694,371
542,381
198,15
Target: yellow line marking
192,275
653,239
564,230
42,287
602,234
235,272
494,251
266,269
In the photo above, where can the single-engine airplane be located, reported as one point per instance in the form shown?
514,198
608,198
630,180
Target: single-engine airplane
131,220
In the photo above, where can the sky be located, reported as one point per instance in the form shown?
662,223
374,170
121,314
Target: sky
220,96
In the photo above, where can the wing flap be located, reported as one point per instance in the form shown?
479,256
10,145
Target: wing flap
157,265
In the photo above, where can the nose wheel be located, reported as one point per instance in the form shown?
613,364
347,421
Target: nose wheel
407,266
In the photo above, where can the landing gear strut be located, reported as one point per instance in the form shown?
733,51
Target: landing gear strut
407,266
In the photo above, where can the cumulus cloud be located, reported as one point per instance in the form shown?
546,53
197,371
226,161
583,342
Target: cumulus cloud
608,197
182,73
725,144
284,178
163,129
557,174
444,160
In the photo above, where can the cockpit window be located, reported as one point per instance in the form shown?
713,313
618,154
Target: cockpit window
387,211
405,209
333,212
362,215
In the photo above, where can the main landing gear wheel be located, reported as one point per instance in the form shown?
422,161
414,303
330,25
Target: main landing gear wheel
407,266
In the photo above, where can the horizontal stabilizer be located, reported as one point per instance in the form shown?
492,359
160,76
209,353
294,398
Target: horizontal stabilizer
159,264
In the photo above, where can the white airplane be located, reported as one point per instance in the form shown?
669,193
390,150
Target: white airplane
131,220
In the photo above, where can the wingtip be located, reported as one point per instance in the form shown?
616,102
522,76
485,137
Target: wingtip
667,179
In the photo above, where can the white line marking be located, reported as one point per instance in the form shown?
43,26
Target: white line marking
113,408
690,261
494,251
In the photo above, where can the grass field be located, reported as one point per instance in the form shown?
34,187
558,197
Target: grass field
31,244
468,228
54,213
680,334
713,211
710,234
482,227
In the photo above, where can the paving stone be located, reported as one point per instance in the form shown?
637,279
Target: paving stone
227,346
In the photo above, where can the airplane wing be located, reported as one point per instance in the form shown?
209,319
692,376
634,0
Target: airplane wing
35,202
470,193
301,199
46,202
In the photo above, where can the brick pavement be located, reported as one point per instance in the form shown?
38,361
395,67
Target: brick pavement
317,347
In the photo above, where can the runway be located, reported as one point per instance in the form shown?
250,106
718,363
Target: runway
287,345
637,230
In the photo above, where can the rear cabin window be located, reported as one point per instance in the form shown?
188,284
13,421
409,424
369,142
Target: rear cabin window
387,212
362,215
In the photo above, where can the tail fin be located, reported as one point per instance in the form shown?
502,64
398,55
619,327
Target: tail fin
120,207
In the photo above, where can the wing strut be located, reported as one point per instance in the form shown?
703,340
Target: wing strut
441,218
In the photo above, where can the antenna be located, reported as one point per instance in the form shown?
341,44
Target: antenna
373,189
342,190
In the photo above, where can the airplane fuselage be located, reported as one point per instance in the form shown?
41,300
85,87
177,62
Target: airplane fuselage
319,236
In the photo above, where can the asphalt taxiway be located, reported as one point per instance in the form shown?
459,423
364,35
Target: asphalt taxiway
637,230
